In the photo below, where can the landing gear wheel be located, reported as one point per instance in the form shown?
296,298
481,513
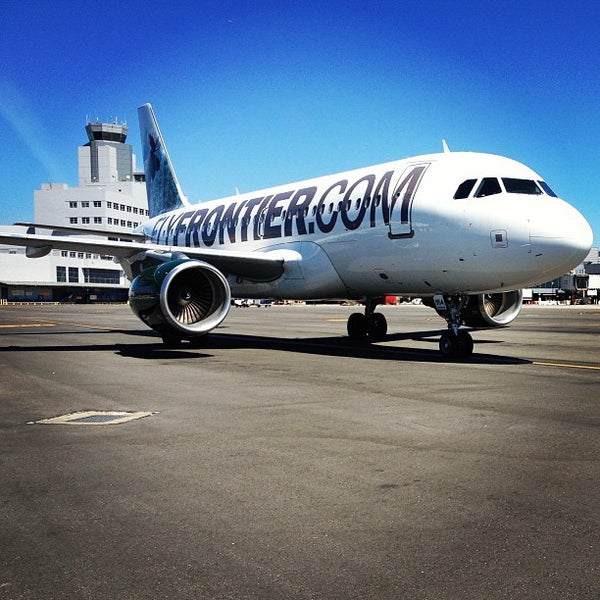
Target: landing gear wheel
358,327
378,329
464,344
459,346
448,345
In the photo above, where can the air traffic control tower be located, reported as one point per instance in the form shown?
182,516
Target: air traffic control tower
106,158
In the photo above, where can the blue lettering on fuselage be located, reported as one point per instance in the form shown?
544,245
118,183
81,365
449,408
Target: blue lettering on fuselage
211,225
292,212
274,211
229,221
191,235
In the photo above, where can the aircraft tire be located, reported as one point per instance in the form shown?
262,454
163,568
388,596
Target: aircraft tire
378,329
358,327
448,345
464,344
456,346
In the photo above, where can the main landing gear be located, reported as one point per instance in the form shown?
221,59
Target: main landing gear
370,326
455,343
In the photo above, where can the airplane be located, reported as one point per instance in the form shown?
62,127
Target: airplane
465,231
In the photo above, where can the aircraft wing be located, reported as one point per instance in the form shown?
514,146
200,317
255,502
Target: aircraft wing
85,231
258,266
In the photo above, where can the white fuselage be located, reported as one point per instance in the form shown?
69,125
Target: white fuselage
394,228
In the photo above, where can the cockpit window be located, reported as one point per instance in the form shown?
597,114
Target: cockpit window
464,189
547,189
521,186
488,187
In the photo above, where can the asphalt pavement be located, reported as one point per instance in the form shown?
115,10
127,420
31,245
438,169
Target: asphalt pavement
282,460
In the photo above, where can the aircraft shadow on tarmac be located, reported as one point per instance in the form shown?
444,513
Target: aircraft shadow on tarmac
345,347
342,347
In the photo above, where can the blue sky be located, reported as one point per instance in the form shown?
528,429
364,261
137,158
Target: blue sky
253,94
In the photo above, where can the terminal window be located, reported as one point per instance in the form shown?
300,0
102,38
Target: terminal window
101,276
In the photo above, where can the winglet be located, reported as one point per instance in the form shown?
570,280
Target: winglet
445,147
162,188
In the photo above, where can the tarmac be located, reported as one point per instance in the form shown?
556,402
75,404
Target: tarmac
282,460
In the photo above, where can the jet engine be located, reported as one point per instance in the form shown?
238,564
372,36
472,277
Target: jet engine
181,299
493,310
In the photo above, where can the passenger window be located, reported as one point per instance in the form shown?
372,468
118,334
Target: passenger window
547,189
464,189
488,187
521,186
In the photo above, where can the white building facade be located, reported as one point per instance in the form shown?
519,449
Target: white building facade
111,197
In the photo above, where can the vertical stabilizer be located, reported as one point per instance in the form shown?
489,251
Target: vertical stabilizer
163,189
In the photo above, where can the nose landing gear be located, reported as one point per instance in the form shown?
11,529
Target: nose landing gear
455,343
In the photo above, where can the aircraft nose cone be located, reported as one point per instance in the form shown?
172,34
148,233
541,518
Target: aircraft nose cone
560,235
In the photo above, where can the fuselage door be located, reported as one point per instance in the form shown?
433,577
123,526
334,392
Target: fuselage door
400,212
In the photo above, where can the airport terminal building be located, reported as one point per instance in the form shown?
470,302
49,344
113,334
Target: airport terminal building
110,197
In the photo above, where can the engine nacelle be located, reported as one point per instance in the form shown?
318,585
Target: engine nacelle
493,310
181,298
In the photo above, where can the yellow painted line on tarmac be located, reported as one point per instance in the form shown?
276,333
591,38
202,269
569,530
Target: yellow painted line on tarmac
336,320
567,365
25,325
67,323
86,326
